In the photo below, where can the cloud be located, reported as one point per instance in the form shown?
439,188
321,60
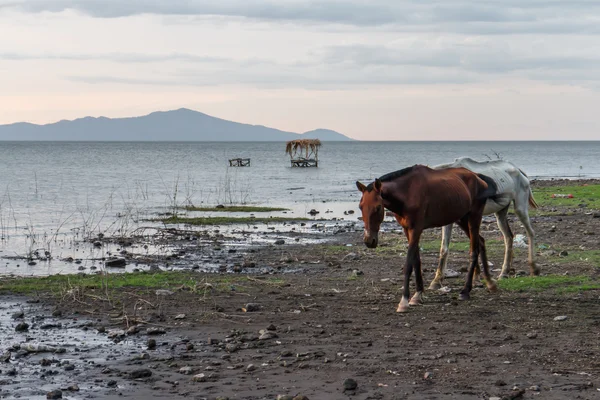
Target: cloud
459,16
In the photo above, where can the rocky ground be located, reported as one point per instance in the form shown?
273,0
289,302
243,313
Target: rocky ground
321,324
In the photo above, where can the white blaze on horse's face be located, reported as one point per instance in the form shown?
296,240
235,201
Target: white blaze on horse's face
371,207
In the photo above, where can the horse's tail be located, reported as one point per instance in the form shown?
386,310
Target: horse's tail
492,188
532,202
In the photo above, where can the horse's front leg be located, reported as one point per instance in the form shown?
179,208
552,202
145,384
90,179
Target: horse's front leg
413,261
470,224
439,274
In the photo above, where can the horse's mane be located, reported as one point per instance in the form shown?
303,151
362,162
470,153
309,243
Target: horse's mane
392,175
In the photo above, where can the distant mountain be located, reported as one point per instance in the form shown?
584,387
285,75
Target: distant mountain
176,125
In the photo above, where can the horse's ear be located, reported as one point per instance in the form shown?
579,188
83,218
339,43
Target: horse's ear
360,186
377,185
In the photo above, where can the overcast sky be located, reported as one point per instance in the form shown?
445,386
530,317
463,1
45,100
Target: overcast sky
371,69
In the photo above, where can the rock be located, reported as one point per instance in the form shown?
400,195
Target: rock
199,378
232,347
112,383
357,272
563,253
50,326
73,388
285,397
313,212
560,318
279,242
115,263
133,330
267,335
500,382
521,273
251,307
69,367
495,398
116,333
55,394
271,327
6,356
186,370
163,292
151,344
22,327
428,375
532,335
155,331
250,367
180,316
350,384
18,315
97,243
140,373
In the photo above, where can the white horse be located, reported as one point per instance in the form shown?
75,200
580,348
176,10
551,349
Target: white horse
513,186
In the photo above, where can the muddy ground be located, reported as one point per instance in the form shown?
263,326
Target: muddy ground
324,313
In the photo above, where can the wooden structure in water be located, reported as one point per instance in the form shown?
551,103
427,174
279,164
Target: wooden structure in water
303,152
239,162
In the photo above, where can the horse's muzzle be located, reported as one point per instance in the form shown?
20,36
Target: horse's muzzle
370,240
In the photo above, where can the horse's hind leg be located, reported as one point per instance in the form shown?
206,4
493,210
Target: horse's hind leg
522,211
439,274
472,223
489,281
508,242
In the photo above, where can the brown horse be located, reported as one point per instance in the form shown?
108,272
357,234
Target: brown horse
421,198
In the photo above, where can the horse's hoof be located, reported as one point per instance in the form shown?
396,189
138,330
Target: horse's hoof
464,296
435,285
402,308
403,305
417,300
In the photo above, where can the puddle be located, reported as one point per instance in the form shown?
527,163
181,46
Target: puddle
82,356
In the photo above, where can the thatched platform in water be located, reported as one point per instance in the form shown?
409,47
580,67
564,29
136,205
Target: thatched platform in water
239,162
303,152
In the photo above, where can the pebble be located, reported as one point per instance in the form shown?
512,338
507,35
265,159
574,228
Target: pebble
199,378
279,242
560,318
140,373
73,388
186,370
250,367
428,375
155,331
532,335
350,384
267,335
151,344
285,397
112,383
55,394
22,327
251,307
535,388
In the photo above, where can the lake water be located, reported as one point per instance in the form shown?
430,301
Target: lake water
54,189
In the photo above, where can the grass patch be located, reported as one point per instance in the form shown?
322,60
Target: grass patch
139,280
588,256
249,209
537,283
589,195
163,280
225,220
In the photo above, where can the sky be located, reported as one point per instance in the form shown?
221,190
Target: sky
371,69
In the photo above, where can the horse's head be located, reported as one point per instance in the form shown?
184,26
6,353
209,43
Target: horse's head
371,207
